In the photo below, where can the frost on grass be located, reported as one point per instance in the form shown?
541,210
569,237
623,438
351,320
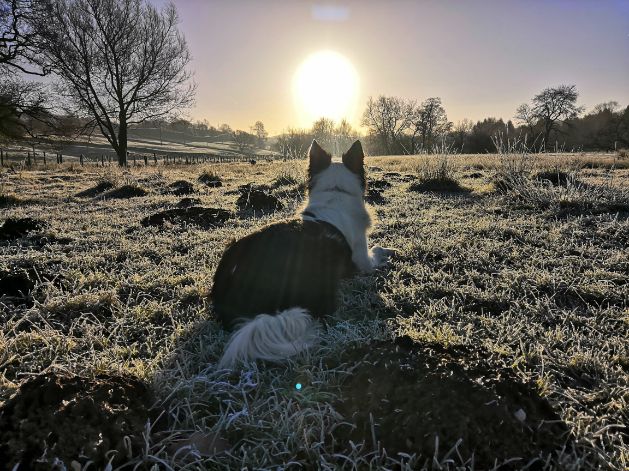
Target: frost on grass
529,283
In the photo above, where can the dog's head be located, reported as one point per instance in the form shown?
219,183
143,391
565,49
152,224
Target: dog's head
347,176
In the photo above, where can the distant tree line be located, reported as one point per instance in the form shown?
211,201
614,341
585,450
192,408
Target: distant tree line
552,121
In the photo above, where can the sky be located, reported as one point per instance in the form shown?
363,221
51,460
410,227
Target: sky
481,57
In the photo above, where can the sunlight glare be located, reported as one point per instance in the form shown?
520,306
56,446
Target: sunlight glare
325,85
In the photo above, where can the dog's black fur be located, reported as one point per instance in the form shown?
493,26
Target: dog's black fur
287,264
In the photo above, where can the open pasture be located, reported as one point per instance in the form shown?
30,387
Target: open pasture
506,307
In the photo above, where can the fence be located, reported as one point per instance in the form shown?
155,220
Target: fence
31,159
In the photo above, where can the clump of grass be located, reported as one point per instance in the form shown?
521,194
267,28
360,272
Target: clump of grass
555,177
210,179
285,179
623,153
437,177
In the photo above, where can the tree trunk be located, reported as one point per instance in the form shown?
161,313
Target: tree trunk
122,144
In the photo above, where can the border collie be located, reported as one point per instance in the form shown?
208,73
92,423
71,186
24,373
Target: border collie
271,285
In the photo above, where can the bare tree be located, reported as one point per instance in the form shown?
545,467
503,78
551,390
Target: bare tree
345,134
388,118
23,105
259,131
323,132
294,143
429,123
244,141
18,37
549,108
121,62
524,114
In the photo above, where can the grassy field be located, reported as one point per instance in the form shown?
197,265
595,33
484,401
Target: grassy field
496,338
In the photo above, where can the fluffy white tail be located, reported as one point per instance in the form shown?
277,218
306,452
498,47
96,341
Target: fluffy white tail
271,338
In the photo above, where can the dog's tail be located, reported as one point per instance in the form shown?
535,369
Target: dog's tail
270,337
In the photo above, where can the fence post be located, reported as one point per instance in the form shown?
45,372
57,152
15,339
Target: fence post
28,159
60,158
155,158
1,158
44,157
81,159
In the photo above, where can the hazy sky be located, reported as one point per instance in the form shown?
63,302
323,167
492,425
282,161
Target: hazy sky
482,57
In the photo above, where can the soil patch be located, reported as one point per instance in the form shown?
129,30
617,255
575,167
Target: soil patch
205,218
101,187
126,191
257,199
14,228
181,188
417,392
74,418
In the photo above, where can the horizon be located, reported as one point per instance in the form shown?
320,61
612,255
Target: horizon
482,67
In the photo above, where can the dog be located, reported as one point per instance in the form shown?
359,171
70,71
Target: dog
273,285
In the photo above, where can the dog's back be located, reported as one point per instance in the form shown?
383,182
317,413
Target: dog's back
287,264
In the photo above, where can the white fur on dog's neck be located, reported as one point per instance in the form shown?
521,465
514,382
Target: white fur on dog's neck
336,197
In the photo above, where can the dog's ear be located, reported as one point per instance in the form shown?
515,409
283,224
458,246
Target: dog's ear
354,158
319,159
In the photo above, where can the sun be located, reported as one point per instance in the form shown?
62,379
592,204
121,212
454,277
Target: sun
325,85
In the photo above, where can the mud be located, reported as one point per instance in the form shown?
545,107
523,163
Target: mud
418,392
205,218
70,418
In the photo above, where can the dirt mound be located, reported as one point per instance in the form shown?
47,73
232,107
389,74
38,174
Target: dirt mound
187,202
72,418
257,199
438,185
16,284
99,188
14,228
205,218
379,184
126,191
180,188
210,179
374,196
417,392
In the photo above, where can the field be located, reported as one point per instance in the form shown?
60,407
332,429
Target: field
495,338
